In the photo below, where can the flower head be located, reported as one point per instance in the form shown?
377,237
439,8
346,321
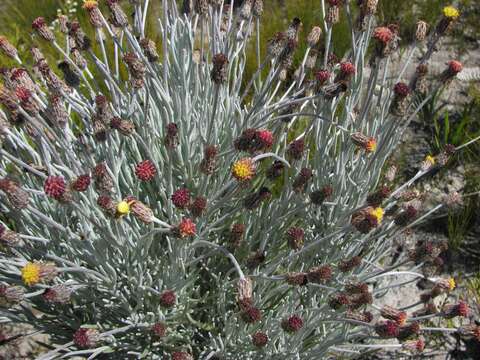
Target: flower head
159,329
347,68
86,338
292,324
181,198
168,298
186,228
455,66
31,273
90,4
36,272
81,183
123,208
259,339
450,12
243,169
145,170
377,213
383,34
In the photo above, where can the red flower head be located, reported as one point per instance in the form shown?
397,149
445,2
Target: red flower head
145,170
251,314
181,355
387,329
86,338
54,186
181,198
186,228
168,298
38,23
159,329
259,339
265,138
322,76
81,183
23,93
292,324
383,34
401,89
455,66
347,68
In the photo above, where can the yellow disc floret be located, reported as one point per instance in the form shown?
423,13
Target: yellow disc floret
31,274
371,145
451,284
243,169
378,214
430,159
123,208
90,4
450,12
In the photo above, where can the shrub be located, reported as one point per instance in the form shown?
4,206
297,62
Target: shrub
184,212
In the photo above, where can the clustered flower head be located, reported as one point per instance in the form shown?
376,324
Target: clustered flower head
36,272
243,169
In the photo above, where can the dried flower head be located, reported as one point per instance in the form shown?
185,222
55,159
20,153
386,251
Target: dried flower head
292,324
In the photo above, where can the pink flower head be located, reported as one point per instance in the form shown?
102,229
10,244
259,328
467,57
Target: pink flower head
54,186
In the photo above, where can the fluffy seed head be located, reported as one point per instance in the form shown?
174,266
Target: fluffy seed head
421,31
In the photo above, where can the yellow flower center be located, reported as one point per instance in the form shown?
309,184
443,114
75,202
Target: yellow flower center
451,284
90,4
451,12
378,214
123,208
31,274
371,145
430,159
243,169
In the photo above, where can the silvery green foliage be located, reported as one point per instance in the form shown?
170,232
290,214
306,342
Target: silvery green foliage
118,266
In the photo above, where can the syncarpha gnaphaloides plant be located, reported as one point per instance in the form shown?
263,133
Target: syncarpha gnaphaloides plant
157,204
